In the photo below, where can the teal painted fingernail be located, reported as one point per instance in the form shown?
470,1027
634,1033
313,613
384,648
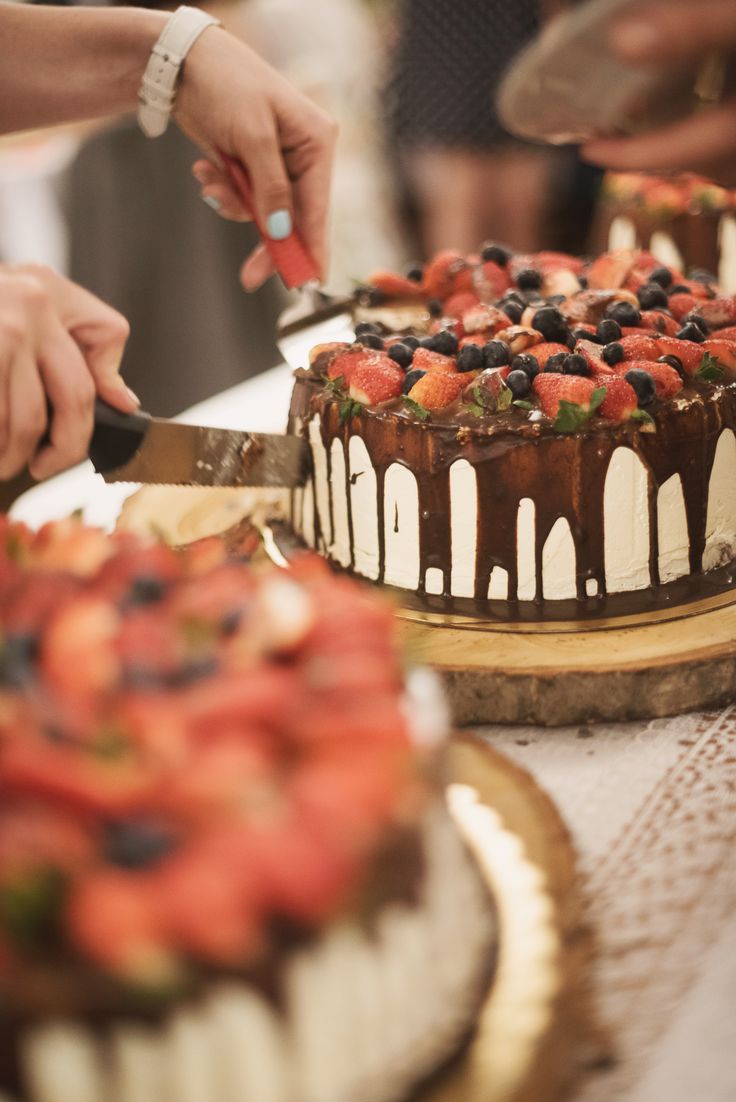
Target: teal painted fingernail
278,225
212,201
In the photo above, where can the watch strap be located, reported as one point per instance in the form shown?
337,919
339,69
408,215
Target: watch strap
158,87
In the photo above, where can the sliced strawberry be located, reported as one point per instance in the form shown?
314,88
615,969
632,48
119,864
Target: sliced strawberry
33,836
346,363
689,353
666,380
208,902
376,382
723,351
69,546
680,304
491,280
519,338
485,319
620,400
565,399
433,362
548,261
728,333
543,351
659,322
78,650
610,270
112,917
305,871
592,354
435,391
639,346
560,281
395,286
697,289
719,311
590,306
457,304
322,355
447,272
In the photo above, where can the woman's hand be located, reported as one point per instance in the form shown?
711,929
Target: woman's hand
231,100
59,348
665,33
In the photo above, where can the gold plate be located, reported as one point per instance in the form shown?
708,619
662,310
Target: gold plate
523,1050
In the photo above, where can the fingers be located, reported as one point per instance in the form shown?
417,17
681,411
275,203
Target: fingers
25,413
256,269
70,390
100,331
272,196
697,142
674,30
312,191
217,191
102,344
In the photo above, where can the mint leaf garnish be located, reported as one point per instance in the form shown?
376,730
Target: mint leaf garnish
597,397
475,409
336,387
504,398
348,409
522,403
416,408
710,369
570,416
643,416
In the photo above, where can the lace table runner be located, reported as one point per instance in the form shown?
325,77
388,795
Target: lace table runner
652,810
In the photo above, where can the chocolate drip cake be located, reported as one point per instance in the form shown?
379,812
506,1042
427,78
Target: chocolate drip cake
226,867
549,438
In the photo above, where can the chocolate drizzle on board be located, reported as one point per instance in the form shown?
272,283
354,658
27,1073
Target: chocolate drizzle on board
514,459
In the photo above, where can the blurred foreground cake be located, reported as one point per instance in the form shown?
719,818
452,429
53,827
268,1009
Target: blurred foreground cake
226,867
528,435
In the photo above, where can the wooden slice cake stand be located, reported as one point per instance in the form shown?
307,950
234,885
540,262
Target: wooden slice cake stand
549,674
638,666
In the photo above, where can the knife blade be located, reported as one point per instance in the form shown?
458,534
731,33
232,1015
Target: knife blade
135,447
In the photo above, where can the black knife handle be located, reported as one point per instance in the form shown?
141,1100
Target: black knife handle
116,436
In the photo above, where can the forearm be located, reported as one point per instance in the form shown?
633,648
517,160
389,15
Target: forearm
60,65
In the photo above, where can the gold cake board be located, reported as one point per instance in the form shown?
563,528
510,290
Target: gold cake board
550,674
535,1027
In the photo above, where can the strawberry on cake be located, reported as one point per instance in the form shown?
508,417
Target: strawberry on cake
543,435
226,869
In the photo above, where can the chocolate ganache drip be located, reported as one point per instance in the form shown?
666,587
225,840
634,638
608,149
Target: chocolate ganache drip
514,458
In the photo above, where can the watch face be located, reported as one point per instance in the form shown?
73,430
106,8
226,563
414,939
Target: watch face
568,87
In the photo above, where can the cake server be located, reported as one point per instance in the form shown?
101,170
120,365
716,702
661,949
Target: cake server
567,86
135,447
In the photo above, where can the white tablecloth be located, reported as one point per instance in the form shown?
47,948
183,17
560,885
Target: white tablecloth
652,810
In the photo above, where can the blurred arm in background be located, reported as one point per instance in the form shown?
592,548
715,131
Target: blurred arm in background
663,33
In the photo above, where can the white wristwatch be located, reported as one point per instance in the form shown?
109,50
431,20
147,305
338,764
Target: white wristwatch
158,87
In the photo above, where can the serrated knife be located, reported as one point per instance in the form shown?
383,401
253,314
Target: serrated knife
135,447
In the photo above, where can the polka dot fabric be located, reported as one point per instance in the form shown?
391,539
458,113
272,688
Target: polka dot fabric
449,60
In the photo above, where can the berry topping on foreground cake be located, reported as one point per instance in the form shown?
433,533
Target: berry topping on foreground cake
561,430
209,777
